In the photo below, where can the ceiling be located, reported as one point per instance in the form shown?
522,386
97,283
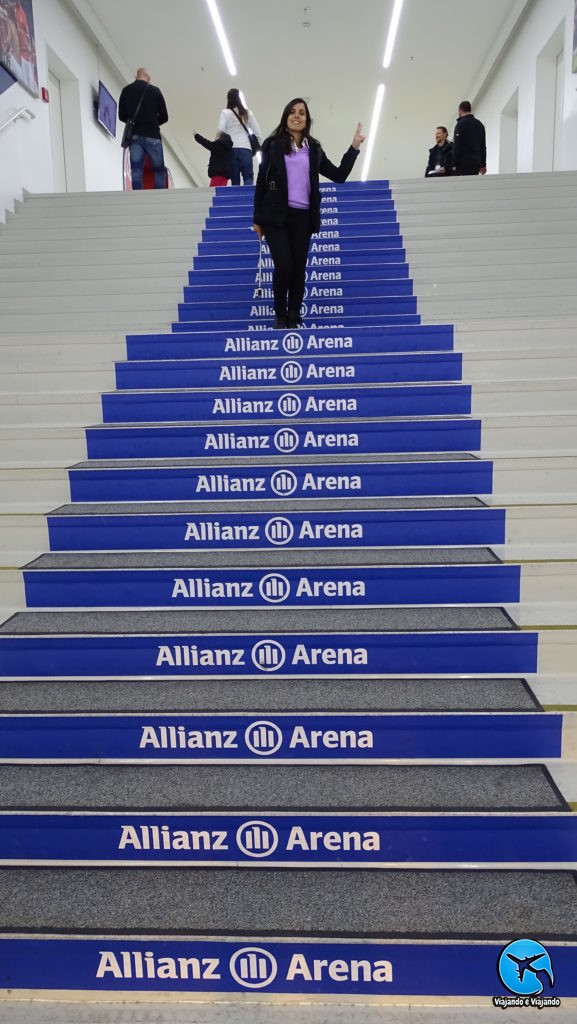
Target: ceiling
336,64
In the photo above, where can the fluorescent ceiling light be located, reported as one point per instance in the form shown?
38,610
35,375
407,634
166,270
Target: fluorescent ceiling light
396,17
217,21
373,130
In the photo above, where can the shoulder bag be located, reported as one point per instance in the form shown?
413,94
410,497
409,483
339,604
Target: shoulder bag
252,139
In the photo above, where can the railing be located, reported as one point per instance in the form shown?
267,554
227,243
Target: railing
24,113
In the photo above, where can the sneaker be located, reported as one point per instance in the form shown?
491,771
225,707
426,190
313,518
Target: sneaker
280,321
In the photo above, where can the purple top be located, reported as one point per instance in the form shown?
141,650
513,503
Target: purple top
298,177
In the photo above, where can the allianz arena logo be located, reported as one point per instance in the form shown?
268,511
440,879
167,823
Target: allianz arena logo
274,588
268,655
253,967
293,344
279,530
283,483
291,372
286,440
263,738
289,405
256,839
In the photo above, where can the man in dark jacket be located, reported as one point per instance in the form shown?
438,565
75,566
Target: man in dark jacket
146,139
469,144
441,155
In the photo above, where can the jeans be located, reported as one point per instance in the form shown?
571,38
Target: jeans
289,248
140,147
241,161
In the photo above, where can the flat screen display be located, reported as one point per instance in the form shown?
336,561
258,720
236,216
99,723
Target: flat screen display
106,110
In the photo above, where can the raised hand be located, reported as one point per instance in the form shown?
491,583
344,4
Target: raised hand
358,137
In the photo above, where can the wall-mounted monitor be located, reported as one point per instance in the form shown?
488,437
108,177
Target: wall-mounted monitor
106,110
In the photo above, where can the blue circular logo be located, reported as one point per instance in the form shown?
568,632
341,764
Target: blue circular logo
522,965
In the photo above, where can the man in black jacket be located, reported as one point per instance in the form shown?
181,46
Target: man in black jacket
146,139
469,143
441,155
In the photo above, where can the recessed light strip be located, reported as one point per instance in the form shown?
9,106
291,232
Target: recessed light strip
395,18
373,131
224,45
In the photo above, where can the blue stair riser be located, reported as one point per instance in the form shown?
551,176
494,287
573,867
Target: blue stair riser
379,201
326,243
331,370
254,530
248,308
332,229
328,437
344,403
315,275
202,739
258,965
254,839
358,587
382,259
315,291
262,319
362,341
382,213
237,655
258,483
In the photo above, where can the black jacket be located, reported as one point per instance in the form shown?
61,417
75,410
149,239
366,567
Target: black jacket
442,156
469,145
220,151
271,191
152,112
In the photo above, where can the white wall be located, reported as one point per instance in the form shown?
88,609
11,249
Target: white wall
522,68
94,159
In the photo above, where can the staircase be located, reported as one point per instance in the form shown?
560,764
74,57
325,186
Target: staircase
291,711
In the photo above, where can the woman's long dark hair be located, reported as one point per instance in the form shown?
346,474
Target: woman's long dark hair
233,101
282,133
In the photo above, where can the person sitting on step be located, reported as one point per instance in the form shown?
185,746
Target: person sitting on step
287,202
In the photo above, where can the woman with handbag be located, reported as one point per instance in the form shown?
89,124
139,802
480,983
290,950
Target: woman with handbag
287,202
243,128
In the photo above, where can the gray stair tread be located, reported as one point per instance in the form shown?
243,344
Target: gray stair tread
265,460
280,787
258,695
274,620
257,559
500,905
234,424
309,504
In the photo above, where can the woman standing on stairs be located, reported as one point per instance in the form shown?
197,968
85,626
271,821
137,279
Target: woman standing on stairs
240,124
287,202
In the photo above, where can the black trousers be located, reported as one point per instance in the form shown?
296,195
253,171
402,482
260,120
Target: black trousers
289,248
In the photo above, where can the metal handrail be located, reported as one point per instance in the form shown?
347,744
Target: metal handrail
24,111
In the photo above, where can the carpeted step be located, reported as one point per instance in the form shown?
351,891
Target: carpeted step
214,344
219,439
47,696
333,620
261,403
220,559
375,904
434,641
143,580
281,476
323,524
330,369
321,788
